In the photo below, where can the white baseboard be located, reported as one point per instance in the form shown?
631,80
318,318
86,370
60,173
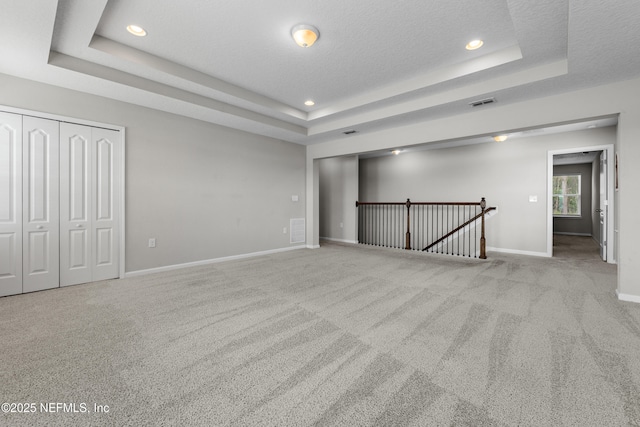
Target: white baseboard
210,261
627,297
331,239
312,246
562,233
519,252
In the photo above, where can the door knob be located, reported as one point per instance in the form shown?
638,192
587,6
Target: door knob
598,210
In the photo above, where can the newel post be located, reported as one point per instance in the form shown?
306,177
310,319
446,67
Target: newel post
408,235
483,242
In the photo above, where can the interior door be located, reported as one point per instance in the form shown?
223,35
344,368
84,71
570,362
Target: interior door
10,204
76,169
40,212
105,208
604,202
89,211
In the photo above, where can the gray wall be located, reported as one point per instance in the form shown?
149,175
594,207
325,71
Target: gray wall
203,191
505,173
579,225
338,194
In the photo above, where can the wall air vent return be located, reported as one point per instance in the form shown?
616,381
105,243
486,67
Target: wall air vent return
482,102
349,132
297,230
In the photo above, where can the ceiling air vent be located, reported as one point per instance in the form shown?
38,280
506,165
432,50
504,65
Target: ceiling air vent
482,102
349,132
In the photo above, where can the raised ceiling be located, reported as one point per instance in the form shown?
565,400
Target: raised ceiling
377,64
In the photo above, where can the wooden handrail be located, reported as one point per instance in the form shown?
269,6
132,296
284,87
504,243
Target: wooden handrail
451,233
420,203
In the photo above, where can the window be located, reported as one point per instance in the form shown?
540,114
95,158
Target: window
566,195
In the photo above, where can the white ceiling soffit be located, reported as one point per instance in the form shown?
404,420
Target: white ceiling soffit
377,64
512,134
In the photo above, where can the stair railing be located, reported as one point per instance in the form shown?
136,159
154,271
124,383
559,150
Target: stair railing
440,227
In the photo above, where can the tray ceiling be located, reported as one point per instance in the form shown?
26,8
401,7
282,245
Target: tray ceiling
377,64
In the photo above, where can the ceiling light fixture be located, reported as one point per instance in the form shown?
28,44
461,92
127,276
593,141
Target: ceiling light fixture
136,30
474,44
305,35
500,138
396,152
309,103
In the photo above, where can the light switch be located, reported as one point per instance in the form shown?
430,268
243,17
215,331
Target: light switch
294,198
533,199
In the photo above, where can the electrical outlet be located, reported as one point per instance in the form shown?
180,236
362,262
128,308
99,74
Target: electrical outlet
284,230
342,225
152,243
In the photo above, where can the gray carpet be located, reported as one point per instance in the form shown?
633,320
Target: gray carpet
343,335
575,247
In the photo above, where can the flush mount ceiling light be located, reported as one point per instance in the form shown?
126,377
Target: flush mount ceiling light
136,30
500,138
309,103
305,35
396,152
474,44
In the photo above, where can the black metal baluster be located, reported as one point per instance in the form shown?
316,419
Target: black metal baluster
370,228
386,226
458,238
470,216
446,229
469,236
378,225
389,226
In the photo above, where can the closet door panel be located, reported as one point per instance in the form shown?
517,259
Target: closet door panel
40,210
75,204
10,204
105,203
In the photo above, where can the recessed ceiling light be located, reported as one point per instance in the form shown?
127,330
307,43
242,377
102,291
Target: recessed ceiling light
500,138
396,152
591,127
309,103
474,44
136,30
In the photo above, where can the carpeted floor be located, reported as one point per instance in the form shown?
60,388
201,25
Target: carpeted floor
575,247
339,336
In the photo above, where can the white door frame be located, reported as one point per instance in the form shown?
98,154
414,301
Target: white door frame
610,217
91,123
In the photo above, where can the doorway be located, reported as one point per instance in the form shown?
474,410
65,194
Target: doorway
580,200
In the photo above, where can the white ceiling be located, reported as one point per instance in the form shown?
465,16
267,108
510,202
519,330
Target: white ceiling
377,64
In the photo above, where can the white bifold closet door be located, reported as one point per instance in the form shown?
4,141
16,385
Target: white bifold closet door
10,204
40,209
89,226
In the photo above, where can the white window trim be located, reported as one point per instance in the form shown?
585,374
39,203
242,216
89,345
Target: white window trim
579,214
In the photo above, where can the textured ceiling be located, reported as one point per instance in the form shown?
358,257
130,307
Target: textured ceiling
377,64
